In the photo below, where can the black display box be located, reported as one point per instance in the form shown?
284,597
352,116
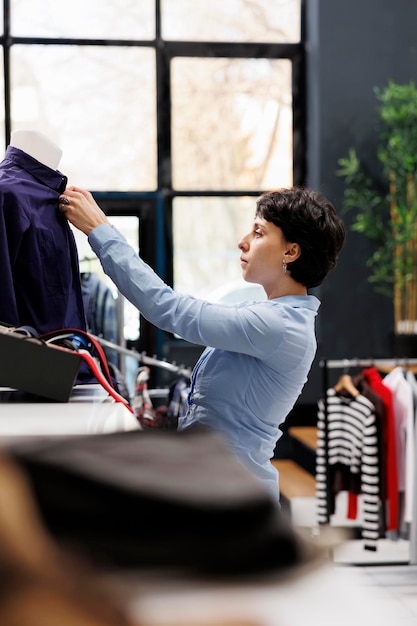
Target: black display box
32,366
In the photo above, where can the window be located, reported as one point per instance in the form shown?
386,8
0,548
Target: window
234,21
102,117
232,119
176,115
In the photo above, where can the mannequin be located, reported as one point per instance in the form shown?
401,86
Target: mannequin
38,146
40,283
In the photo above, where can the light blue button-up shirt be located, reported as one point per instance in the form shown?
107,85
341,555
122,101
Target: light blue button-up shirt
260,353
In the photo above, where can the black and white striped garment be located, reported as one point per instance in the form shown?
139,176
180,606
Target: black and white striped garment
353,452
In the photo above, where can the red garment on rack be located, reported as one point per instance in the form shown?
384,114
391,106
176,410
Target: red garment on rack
391,468
362,385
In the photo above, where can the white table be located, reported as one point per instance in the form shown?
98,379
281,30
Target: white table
90,410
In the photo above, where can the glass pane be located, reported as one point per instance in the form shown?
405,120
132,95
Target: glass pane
232,120
97,104
234,20
206,256
125,19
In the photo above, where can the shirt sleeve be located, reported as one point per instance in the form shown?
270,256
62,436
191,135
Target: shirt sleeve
254,329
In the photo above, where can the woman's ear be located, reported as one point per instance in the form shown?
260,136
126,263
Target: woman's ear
292,253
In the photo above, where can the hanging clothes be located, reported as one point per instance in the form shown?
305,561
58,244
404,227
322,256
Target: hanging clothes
352,462
403,407
361,384
40,282
178,398
164,417
142,403
100,307
373,377
410,377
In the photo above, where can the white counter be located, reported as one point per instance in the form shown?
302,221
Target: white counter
90,411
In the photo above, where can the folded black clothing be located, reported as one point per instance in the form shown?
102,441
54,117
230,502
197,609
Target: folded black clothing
157,498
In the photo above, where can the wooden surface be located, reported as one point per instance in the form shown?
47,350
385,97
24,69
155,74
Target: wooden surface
305,434
294,481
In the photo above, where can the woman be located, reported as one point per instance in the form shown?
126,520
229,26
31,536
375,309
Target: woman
259,355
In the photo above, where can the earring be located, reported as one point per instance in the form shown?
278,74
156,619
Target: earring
284,267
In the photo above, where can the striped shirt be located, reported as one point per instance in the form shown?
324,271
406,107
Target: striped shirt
352,458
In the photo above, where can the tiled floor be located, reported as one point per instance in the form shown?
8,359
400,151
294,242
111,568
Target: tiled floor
384,595
389,575
381,585
328,595
395,587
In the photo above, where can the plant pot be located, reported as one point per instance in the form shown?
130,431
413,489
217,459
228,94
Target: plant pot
403,346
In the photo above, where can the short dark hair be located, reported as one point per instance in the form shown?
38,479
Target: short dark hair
308,218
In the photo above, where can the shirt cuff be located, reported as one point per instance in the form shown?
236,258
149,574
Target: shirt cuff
99,235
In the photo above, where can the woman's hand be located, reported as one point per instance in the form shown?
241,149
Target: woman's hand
80,208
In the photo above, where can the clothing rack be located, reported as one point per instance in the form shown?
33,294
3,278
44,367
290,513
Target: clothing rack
142,357
121,349
383,365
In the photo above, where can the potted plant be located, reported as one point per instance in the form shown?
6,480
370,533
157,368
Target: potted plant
385,211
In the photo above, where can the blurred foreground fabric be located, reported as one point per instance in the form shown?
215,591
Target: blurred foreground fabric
165,499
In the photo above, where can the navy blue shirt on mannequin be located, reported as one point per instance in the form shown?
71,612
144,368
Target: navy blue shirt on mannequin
40,283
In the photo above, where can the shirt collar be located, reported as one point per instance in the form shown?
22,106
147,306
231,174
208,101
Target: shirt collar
308,302
54,179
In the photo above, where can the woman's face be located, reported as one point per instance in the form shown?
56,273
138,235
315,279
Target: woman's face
262,254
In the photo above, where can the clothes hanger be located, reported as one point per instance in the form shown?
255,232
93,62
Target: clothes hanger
345,383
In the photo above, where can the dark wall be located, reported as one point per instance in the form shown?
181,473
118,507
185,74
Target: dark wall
351,48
